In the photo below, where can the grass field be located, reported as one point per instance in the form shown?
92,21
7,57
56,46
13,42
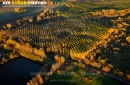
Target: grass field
88,7
79,79
8,12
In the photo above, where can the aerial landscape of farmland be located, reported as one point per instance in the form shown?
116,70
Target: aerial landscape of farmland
69,42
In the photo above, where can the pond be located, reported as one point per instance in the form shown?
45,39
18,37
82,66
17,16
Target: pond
17,71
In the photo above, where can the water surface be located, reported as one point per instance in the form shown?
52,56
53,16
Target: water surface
17,71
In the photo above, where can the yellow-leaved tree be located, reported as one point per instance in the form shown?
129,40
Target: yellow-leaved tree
128,39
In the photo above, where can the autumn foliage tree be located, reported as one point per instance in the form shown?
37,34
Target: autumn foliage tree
128,39
9,25
59,59
128,77
36,80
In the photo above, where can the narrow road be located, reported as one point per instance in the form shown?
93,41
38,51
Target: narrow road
109,75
